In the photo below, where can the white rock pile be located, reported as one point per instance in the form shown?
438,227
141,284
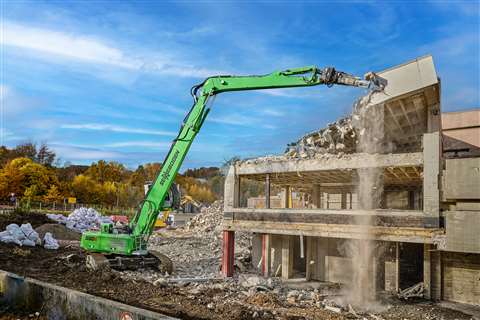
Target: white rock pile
81,219
24,235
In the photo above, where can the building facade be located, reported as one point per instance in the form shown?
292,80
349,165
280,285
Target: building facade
426,227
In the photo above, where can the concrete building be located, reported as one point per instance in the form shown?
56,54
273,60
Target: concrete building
427,228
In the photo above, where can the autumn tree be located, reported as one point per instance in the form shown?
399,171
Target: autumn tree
85,189
103,171
22,175
53,195
45,156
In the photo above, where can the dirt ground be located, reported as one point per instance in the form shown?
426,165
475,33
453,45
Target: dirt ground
35,219
186,300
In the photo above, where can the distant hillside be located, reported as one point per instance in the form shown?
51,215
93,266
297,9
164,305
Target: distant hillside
202,173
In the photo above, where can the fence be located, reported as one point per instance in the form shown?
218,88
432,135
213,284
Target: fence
63,207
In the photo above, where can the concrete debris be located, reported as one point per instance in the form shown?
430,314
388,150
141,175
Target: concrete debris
209,219
196,248
81,219
24,235
249,281
337,137
440,241
415,291
333,309
49,242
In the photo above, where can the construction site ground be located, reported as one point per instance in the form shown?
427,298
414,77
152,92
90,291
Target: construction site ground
195,290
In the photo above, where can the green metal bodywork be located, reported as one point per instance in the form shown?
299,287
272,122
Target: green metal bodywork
135,242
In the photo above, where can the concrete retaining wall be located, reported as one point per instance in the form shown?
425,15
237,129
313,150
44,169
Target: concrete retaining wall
65,304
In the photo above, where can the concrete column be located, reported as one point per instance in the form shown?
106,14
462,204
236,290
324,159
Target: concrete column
397,266
316,197
392,268
287,197
434,122
436,265
311,259
287,257
267,191
266,254
322,253
431,178
275,254
427,271
231,190
344,200
228,257
257,239
411,199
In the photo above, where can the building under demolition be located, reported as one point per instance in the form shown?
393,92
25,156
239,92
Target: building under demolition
425,227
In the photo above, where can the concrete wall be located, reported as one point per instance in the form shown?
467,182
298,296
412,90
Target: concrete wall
462,179
461,130
461,277
64,304
463,231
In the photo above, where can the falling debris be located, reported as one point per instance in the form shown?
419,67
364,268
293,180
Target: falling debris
339,136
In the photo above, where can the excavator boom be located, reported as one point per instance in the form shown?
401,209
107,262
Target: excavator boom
132,241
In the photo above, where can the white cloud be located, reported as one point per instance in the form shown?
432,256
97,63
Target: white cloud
269,126
114,128
452,46
147,144
88,49
289,93
273,113
77,153
7,135
234,119
71,46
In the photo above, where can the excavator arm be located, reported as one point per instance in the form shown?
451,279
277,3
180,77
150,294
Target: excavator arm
134,240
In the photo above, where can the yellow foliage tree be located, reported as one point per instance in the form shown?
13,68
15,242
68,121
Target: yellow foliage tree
22,174
53,195
85,189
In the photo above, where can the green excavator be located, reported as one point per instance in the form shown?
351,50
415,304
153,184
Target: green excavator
126,247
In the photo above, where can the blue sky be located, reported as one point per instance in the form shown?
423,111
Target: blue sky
111,79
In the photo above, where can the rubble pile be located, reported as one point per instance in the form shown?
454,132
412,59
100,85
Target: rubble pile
339,136
81,219
24,235
196,248
208,220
